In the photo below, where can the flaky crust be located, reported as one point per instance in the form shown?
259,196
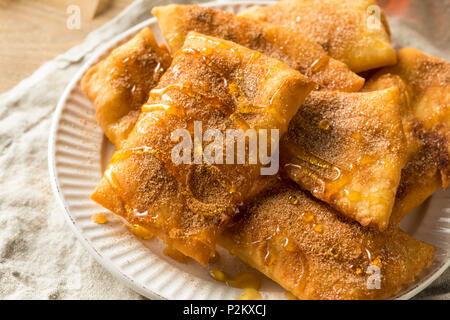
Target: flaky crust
119,84
348,150
424,83
314,252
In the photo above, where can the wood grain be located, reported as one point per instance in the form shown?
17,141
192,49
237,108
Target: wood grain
89,8
32,33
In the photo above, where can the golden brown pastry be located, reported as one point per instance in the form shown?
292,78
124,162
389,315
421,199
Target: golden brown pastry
289,45
119,84
315,253
346,29
225,86
348,149
424,83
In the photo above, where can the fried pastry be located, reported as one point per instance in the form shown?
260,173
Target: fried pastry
225,86
424,83
119,84
315,253
348,149
347,29
283,43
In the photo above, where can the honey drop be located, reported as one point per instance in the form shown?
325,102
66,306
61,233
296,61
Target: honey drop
324,124
99,218
250,294
318,228
334,253
141,232
289,245
218,275
308,217
293,199
353,196
175,254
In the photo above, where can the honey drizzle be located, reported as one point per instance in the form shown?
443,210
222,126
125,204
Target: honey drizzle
234,90
298,159
318,162
327,187
149,107
250,294
128,152
311,174
175,254
208,62
141,232
112,180
160,93
249,281
216,70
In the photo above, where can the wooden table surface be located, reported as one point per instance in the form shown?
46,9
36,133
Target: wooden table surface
32,33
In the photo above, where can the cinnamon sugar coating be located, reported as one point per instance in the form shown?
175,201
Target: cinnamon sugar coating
347,30
290,45
338,260
424,83
119,84
210,80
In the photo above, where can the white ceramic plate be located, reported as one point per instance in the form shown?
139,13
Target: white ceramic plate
78,154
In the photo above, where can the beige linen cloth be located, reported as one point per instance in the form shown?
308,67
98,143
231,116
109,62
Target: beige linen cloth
40,258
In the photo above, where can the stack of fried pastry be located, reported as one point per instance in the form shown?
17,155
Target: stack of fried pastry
355,156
